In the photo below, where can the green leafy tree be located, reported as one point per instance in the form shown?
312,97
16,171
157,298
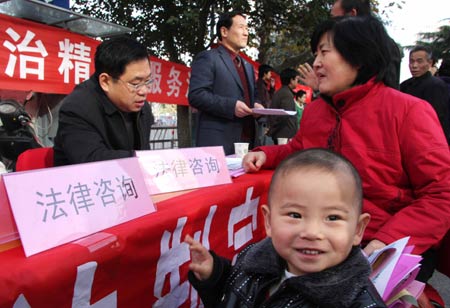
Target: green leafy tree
439,42
283,29
170,29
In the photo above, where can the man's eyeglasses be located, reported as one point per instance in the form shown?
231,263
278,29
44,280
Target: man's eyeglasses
135,87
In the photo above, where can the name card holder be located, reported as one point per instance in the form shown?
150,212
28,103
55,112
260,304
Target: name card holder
180,169
54,206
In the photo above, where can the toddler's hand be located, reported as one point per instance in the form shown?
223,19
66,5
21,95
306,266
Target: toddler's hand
201,260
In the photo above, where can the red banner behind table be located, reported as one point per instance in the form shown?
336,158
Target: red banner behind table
41,58
141,263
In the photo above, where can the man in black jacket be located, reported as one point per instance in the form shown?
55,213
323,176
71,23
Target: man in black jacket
107,116
427,87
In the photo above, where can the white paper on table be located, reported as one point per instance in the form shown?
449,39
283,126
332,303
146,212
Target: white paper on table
233,163
269,111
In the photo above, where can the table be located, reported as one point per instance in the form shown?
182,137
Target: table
141,263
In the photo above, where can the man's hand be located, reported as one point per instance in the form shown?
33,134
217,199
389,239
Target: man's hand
372,246
241,109
308,77
201,260
257,106
253,161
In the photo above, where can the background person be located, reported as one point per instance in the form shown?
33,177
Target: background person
394,140
222,88
284,126
444,74
351,8
300,102
311,257
265,86
107,116
424,85
434,69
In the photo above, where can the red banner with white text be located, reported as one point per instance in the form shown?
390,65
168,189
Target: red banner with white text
143,262
41,58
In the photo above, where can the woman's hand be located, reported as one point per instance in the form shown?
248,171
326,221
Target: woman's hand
253,161
202,261
308,77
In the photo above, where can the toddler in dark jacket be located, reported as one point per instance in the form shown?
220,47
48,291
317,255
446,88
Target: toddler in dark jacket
311,257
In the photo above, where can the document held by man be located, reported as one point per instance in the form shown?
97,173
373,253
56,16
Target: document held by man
269,111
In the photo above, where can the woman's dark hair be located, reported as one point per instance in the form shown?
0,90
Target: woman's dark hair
363,42
113,55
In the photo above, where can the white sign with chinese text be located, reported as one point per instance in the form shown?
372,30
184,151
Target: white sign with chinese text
57,205
180,169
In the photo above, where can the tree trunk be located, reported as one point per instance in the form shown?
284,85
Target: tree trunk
184,127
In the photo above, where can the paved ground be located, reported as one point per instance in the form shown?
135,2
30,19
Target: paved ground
442,284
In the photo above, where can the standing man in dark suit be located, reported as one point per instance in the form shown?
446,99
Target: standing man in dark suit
222,88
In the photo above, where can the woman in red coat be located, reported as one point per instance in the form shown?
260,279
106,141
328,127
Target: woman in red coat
393,139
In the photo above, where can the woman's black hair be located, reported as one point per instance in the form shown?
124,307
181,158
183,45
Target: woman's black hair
363,42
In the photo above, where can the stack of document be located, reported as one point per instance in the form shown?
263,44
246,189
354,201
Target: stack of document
234,165
269,111
394,269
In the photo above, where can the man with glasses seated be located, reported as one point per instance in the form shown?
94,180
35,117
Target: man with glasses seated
107,116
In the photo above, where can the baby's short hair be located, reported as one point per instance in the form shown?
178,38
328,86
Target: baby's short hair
322,160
